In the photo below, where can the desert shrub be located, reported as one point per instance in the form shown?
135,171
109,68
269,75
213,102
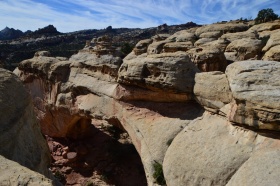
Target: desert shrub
265,39
126,48
158,173
265,15
168,143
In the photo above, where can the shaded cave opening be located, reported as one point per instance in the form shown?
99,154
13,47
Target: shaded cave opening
100,154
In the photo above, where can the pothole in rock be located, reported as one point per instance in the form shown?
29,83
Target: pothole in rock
107,157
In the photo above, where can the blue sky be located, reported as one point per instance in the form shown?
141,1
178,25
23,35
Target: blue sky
73,15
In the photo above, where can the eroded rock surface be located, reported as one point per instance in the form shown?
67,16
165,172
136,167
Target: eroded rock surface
20,137
12,173
18,122
210,151
151,95
255,87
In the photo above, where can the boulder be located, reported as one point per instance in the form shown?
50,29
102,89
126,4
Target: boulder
156,47
42,53
12,173
273,54
244,49
256,88
182,36
142,46
40,63
20,135
160,37
268,26
220,44
222,28
260,169
265,35
215,34
210,151
240,35
202,41
272,41
104,67
177,46
208,59
215,96
171,72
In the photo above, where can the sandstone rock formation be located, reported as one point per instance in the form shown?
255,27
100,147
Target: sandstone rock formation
254,86
241,35
273,41
12,173
223,28
20,138
210,151
65,109
208,59
170,72
273,54
217,95
151,95
243,49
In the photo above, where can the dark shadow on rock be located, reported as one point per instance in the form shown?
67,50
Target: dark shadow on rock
183,111
102,153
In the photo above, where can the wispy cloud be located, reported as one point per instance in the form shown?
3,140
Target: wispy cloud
71,15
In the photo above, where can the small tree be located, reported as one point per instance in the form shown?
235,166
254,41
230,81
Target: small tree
265,15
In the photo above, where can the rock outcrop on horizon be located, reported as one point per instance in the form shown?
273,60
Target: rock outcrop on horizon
207,122
23,46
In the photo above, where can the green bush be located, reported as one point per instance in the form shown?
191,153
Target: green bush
265,15
126,48
158,173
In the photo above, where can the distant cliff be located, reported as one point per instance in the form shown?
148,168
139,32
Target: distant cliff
17,46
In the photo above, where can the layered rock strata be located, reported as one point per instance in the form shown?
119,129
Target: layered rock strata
157,94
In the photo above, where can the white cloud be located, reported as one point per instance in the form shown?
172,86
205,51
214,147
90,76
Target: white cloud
69,15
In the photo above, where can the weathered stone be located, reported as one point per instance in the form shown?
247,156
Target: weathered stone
214,34
102,46
20,136
160,37
260,169
220,44
207,152
40,63
269,26
104,67
265,35
171,72
273,41
223,28
210,151
156,47
203,41
12,173
241,35
255,87
150,125
142,46
71,156
244,49
208,59
273,54
215,96
182,36
42,53
177,46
